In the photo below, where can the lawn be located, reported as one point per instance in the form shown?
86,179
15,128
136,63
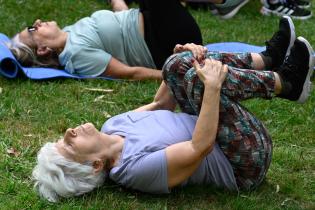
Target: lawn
33,112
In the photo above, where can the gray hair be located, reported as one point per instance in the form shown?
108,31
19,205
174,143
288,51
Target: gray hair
28,57
55,176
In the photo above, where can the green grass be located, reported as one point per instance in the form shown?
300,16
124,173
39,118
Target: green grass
32,113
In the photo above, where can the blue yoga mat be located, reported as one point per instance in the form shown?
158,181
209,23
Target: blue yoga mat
234,47
10,67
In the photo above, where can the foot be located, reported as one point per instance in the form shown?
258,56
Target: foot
296,72
226,11
285,7
279,46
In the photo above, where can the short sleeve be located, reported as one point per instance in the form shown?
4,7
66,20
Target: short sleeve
146,173
88,62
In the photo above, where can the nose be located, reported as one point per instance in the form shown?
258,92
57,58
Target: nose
70,132
37,23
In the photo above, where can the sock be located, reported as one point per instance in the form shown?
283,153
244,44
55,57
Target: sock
267,61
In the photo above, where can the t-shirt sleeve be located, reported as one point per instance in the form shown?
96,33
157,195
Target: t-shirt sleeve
147,173
88,62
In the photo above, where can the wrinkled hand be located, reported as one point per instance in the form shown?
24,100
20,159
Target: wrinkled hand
212,73
198,51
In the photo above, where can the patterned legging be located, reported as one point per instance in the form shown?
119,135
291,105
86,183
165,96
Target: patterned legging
241,136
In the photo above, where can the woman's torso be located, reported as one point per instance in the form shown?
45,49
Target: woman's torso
143,164
92,41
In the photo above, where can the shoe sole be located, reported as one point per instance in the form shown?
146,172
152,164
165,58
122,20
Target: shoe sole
234,11
292,31
266,11
307,84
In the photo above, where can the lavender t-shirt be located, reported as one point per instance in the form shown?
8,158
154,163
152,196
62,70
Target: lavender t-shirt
143,163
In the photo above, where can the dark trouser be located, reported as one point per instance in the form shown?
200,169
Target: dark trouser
241,136
167,23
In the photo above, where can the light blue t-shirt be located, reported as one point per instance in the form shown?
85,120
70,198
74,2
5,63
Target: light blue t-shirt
143,164
93,41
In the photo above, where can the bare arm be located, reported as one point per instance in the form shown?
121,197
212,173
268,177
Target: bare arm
180,167
163,100
119,70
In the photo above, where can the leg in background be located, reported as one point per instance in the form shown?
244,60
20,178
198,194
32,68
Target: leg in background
166,24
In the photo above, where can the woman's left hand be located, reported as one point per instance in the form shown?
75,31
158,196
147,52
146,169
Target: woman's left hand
212,73
198,51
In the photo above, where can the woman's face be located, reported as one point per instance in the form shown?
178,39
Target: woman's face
80,144
41,33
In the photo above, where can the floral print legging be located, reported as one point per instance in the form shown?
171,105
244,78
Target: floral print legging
241,136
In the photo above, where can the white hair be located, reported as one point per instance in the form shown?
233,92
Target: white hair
55,176
27,56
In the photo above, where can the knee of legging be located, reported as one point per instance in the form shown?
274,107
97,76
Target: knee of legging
177,64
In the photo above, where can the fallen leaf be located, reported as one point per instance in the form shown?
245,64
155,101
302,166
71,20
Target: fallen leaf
99,90
99,98
1,90
107,115
28,135
285,201
277,188
13,152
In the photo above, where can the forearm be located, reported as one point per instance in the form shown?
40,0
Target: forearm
148,107
142,73
163,99
206,128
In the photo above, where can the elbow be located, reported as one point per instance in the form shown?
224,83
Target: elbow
207,150
203,150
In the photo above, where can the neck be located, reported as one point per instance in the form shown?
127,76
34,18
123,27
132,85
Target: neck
61,42
112,147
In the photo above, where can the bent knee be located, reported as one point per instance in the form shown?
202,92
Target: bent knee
177,65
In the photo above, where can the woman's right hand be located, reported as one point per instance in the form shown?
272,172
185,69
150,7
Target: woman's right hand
212,73
198,51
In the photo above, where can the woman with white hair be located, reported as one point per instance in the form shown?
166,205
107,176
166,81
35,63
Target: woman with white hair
153,149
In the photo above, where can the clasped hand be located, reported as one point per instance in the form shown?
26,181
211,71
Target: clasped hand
198,51
212,73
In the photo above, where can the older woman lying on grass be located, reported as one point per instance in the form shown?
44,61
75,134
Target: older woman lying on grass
131,44
214,140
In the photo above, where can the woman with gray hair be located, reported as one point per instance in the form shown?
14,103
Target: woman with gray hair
153,149
130,44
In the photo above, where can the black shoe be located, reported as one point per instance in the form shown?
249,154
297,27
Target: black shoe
279,46
287,7
303,4
296,72
226,12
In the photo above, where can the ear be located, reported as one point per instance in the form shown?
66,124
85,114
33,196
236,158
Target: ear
43,51
98,165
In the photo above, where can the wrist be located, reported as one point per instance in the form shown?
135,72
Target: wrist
210,85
